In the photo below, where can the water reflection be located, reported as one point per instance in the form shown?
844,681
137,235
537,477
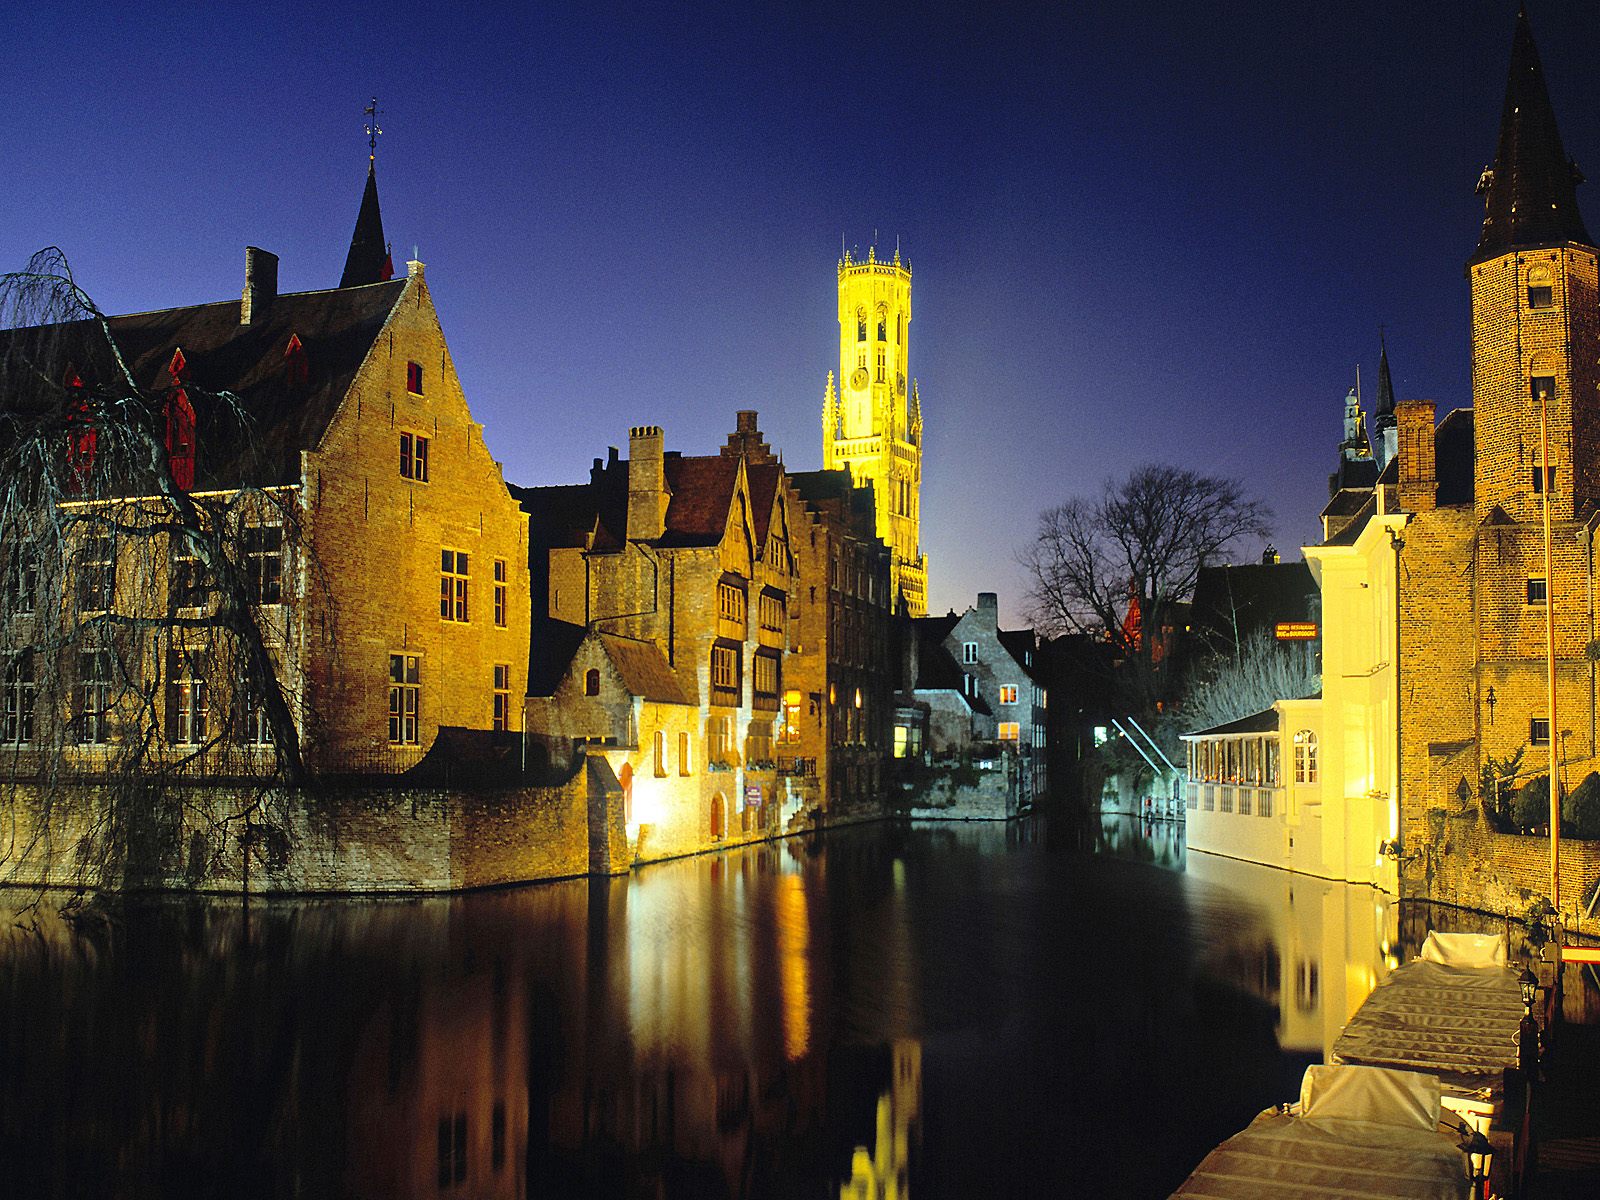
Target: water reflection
949,1010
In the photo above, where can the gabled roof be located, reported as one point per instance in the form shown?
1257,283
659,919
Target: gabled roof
702,492
551,648
644,669
288,403
1021,645
763,479
1531,196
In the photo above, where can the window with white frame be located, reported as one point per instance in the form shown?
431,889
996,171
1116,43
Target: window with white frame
95,680
969,652
453,577
405,698
1010,731
502,697
97,572
21,582
1008,693
17,699
1305,756
263,563
414,457
187,709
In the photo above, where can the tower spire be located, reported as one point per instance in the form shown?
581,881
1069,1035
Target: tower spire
1385,383
368,260
1530,193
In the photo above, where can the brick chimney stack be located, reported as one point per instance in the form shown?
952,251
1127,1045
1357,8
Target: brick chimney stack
260,285
647,483
1419,477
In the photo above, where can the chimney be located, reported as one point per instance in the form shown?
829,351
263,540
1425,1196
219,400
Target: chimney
989,604
1419,482
647,483
746,441
260,285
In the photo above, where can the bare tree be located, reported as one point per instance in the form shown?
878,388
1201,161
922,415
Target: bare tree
145,633
1260,671
1142,542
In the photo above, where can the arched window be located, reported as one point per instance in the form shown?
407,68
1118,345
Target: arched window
718,809
1541,286
883,327
1305,756
591,682
1542,375
861,324
660,754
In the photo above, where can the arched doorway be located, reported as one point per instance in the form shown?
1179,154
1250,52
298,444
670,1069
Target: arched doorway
718,817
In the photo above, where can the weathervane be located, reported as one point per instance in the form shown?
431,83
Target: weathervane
373,131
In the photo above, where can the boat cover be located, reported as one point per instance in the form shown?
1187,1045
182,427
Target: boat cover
1358,1131
1457,1022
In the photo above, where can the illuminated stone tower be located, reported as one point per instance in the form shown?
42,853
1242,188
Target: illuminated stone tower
872,423
1534,315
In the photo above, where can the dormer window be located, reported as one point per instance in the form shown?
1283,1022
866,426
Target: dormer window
414,378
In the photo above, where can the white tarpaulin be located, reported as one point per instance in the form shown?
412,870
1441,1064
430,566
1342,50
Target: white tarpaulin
1459,1023
1368,1132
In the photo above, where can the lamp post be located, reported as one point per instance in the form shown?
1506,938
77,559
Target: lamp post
1528,1029
1550,652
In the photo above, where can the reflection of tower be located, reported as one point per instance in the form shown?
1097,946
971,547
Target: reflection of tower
884,1174
872,425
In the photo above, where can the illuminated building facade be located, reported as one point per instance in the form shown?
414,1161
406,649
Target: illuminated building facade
872,421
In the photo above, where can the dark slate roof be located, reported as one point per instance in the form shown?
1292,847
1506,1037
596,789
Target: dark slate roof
763,479
336,329
1022,644
550,651
1264,721
567,514
822,485
368,260
1531,196
700,490
1348,535
644,669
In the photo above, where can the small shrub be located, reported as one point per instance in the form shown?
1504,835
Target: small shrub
1581,808
1531,805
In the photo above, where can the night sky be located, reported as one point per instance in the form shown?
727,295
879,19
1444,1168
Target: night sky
1139,232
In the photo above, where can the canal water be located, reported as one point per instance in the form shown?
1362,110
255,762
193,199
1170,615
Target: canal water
903,1011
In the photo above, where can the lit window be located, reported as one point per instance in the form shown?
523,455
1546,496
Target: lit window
1010,731
684,763
1539,731
414,457
186,697
1536,589
405,698
500,593
731,603
414,378
17,700
1305,756
659,750
1102,734
1008,693
263,563
452,585
502,697
790,732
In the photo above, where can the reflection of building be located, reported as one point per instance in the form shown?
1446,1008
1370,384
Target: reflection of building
883,1172
872,425
1316,951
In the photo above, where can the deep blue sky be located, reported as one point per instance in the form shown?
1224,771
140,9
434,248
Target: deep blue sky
1139,232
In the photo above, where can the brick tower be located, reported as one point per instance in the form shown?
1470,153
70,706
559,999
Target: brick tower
1535,329
872,425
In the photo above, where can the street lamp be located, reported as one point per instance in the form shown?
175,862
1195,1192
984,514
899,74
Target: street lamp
1528,1028
1529,983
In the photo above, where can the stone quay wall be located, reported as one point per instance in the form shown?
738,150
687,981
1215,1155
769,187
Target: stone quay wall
336,840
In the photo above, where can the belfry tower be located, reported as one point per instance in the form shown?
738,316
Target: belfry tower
872,423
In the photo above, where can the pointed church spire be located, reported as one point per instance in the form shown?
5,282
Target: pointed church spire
368,260
1385,383
1530,193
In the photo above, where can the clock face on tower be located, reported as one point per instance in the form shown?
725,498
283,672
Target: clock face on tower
859,378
